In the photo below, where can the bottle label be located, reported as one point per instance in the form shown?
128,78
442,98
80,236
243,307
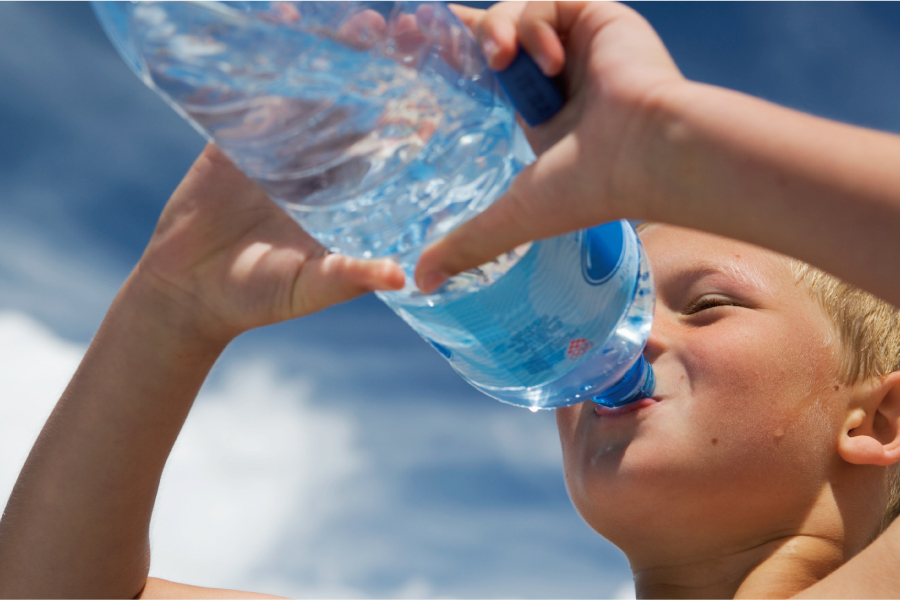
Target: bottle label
543,317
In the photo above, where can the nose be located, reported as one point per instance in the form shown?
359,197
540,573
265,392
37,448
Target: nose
657,340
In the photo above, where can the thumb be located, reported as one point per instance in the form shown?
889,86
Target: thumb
335,278
550,197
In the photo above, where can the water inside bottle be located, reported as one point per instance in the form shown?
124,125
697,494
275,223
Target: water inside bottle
394,160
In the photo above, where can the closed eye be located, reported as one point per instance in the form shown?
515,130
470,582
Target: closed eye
706,302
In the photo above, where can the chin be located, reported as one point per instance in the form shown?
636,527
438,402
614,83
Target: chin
612,499
641,493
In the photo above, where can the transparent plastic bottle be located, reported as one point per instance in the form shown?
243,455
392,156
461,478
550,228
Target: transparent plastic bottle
379,128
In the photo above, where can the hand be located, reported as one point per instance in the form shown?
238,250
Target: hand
233,260
614,68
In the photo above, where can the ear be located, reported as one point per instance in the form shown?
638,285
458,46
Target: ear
871,433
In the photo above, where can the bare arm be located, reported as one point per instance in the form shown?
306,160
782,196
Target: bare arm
161,588
77,522
873,573
821,191
636,140
223,259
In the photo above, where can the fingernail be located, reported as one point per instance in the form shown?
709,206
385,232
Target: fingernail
490,49
543,62
432,281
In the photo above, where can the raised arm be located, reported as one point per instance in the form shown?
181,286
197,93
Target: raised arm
637,140
728,163
223,259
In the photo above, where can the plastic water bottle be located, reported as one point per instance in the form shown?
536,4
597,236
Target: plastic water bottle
379,128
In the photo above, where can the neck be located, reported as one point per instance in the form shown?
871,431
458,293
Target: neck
782,563
780,567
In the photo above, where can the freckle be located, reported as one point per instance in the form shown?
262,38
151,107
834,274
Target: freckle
715,441
837,387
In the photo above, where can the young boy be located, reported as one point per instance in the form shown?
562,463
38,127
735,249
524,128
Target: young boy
765,465
769,460
754,470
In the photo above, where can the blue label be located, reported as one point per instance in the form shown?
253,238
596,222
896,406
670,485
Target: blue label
602,250
556,306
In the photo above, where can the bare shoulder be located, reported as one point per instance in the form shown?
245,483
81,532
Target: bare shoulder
160,588
873,573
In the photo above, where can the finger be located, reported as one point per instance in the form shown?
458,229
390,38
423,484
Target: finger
408,37
470,17
335,278
497,34
455,45
363,30
540,27
544,200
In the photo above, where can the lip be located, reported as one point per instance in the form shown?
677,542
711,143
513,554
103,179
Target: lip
628,409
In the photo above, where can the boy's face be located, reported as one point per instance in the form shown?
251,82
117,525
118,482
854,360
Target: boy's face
738,445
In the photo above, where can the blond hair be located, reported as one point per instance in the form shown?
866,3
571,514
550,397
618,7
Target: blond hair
869,332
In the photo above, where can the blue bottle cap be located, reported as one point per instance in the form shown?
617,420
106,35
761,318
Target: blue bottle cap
638,383
533,94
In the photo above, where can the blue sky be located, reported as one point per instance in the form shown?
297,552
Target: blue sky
336,455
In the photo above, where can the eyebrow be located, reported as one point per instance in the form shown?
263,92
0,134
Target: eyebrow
738,272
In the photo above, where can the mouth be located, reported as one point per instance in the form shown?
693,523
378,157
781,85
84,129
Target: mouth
606,412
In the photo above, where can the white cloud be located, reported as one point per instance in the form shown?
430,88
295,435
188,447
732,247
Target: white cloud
625,591
35,367
252,456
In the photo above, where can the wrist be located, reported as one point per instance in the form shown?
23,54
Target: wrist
653,168
174,328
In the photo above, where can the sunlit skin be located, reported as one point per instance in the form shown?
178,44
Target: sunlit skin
754,473
735,460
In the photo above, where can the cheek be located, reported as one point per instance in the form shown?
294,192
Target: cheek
761,401
758,368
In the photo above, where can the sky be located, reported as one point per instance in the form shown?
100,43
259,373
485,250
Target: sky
336,455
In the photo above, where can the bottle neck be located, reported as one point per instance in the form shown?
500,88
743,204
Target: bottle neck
637,383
